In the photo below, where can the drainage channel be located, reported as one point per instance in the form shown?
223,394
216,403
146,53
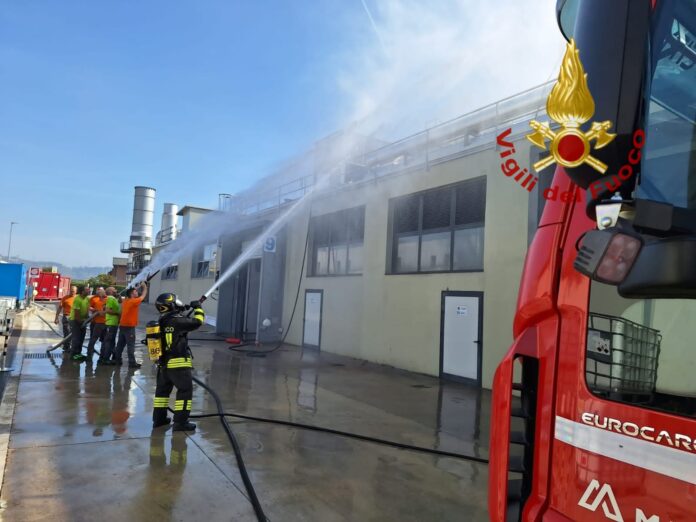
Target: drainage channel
36,355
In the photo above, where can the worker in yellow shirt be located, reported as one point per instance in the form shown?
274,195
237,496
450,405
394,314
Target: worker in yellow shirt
112,310
78,316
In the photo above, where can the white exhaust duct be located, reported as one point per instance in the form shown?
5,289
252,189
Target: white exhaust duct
143,214
168,229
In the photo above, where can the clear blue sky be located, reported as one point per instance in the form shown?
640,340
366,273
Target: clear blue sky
192,98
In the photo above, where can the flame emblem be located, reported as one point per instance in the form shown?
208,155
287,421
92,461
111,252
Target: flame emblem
570,104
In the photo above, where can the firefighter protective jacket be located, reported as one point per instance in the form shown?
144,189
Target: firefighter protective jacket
174,328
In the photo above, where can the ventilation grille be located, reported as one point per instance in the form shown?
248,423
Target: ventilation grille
36,355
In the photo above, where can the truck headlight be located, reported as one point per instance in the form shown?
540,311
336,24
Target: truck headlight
607,255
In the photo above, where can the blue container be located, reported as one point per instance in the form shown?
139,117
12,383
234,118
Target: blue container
13,280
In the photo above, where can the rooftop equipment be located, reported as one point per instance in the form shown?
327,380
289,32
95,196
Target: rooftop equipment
143,215
140,245
168,230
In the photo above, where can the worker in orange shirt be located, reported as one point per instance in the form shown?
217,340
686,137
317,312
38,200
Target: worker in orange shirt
127,324
64,307
97,328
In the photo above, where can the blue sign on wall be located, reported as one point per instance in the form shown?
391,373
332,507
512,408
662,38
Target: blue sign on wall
270,244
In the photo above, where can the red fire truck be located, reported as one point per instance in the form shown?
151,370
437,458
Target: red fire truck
595,402
50,286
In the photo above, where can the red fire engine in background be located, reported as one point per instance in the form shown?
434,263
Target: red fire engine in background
595,402
49,285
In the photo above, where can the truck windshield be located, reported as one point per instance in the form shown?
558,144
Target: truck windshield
669,157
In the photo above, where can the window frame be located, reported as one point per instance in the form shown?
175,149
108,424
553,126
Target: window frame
393,236
345,245
200,266
170,273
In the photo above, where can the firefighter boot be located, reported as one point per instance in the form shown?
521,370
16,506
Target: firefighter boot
161,422
184,426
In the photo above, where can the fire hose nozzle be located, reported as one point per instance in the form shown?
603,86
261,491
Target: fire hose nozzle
195,304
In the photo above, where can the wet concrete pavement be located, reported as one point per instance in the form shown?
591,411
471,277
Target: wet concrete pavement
82,447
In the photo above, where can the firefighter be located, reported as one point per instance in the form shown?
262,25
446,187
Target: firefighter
174,365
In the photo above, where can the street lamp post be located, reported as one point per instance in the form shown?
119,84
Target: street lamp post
9,245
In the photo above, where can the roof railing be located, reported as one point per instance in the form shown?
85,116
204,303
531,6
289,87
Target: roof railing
453,138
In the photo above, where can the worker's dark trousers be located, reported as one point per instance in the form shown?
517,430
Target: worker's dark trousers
109,343
166,380
66,326
97,332
78,336
126,336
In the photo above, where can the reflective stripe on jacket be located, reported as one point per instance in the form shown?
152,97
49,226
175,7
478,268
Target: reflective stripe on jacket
179,362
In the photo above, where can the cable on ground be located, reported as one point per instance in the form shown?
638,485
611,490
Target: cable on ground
258,510
65,339
49,325
365,438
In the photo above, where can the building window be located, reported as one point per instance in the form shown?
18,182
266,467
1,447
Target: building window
337,243
439,230
204,262
170,272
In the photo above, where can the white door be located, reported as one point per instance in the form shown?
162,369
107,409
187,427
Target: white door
312,318
460,336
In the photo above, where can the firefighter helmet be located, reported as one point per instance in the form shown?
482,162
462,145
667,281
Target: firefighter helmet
168,302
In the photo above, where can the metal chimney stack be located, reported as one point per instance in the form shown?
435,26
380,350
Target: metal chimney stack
169,219
143,214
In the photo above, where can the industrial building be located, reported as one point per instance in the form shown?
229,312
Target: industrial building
119,269
414,249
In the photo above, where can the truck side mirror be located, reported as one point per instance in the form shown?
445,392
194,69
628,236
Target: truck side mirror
665,268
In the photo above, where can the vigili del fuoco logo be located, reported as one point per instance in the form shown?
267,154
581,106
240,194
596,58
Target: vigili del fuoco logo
570,104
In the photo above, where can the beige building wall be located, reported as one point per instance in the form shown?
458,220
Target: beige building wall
395,319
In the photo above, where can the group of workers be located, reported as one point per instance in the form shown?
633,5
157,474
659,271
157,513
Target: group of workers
107,314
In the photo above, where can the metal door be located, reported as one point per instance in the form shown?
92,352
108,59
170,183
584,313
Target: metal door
253,282
311,335
461,335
